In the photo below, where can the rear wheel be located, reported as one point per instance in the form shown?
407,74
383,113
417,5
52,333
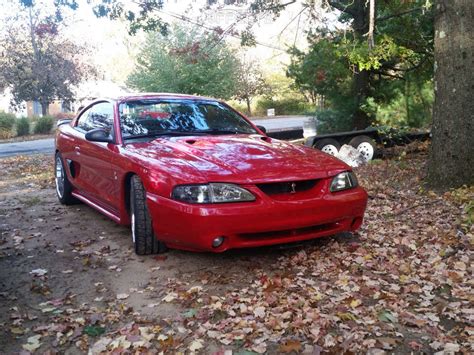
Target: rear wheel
63,186
143,237
365,145
328,145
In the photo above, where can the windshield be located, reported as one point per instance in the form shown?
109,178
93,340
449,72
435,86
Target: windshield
151,118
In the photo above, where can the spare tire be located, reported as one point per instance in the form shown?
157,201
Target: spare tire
328,145
365,145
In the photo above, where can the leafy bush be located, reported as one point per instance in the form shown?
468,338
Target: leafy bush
330,121
7,120
23,127
284,106
44,125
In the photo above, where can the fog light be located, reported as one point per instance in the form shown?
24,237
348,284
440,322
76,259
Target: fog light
217,242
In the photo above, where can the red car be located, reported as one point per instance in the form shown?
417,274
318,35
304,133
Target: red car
194,174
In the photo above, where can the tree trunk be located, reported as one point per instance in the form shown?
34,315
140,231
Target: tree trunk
249,110
361,119
451,160
361,78
44,108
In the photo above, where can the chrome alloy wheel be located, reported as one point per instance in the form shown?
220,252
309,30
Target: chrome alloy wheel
59,177
133,224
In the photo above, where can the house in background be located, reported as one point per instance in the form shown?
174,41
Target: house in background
5,104
84,93
33,108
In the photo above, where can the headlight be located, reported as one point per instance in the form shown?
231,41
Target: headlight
211,193
343,181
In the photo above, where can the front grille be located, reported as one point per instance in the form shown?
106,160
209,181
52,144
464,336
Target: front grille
291,232
287,187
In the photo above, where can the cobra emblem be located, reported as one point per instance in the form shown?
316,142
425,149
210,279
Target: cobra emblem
293,188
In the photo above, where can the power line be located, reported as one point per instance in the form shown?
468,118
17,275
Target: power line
187,19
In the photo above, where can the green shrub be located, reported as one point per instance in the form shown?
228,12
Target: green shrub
331,121
7,120
44,125
23,127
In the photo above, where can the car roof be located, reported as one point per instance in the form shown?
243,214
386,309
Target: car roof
159,95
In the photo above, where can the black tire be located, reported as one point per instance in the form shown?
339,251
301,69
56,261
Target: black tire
143,237
365,145
63,185
328,145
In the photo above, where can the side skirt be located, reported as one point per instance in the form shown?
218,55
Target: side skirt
107,212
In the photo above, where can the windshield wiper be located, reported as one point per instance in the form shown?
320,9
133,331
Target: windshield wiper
220,131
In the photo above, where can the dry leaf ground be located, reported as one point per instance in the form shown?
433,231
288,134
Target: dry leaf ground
69,281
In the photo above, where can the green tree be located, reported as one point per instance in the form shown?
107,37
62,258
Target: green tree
250,82
187,60
354,71
38,64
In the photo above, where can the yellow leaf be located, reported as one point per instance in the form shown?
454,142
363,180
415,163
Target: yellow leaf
17,330
404,278
355,303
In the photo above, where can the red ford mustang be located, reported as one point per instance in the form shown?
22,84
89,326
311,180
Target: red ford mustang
191,173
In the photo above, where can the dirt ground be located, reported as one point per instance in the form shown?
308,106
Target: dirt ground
70,283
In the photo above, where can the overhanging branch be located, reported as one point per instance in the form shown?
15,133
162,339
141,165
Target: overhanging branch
342,7
383,18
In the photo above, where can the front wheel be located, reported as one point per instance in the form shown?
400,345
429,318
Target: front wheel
143,237
63,186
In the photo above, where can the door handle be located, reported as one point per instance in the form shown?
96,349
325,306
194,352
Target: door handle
78,150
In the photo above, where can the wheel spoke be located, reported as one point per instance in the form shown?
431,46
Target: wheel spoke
59,177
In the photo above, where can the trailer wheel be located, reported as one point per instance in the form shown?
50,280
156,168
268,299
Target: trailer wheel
328,145
365,145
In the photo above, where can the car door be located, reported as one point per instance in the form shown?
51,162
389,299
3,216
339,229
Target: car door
96,177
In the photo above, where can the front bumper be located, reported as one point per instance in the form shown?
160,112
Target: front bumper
266,221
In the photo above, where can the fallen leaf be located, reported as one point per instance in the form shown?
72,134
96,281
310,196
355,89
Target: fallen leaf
93,330
259,312
170,297
32,343
38,272
290,346
387,316
196,345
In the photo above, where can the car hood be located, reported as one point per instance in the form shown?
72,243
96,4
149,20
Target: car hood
235,158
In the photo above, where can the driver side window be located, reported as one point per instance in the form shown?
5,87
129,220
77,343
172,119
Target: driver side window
100,115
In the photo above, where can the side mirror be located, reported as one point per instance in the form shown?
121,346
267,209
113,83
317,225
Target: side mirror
263,129
99,135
